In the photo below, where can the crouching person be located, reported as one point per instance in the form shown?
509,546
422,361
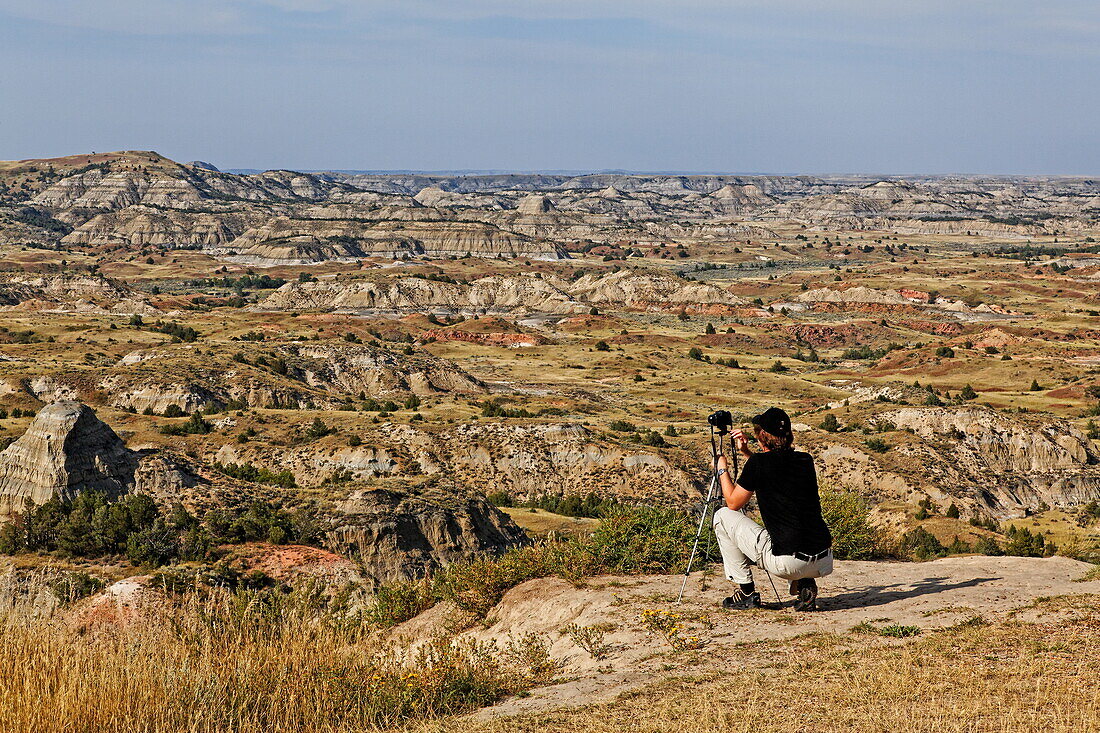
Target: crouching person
794,543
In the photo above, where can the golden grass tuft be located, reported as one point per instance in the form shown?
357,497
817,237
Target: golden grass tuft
241,663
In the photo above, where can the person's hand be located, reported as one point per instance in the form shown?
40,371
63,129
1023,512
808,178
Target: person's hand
723,462
741,442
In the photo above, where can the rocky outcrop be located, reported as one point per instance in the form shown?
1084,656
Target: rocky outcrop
63,292
488,338
16,289
285,240
975,457
407,294
295,375
627,289
858,294
522,460
396,534
359,369
737,199
66,450
142,226
652,290
1017,464
535,205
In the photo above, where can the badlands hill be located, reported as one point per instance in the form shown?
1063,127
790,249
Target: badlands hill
627,289
136,199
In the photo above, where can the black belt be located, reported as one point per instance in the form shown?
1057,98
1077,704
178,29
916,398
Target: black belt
813,558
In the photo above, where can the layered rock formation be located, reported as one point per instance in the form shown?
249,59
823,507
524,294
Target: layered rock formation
652,290
66,450
396,534
297,375
359,369
975,457
140,226
74,293
522,460
296,241
628,289
139,199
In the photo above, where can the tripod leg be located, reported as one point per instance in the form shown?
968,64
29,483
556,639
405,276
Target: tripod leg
698,534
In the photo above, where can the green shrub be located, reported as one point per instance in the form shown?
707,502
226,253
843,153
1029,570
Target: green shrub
73,586
899,631
627,541
248,472
878,445
920,544
318,429
987,546
848,516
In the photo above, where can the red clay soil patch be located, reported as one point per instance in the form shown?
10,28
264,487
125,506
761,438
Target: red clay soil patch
507,340
915,294
997,338
933,327
118,605
849,334
1067,393
876,308
742,340
287,562
648,340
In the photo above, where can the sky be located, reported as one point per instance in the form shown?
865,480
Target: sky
744,86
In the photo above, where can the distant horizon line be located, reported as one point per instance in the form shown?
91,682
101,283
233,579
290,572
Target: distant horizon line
564,171
626,172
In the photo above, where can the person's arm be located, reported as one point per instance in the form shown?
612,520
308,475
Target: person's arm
736,496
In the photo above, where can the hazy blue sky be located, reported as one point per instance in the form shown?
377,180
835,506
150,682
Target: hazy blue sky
785,86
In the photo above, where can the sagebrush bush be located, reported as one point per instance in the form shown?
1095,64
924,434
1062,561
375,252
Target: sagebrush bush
848,515
639,540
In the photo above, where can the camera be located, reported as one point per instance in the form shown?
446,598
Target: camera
721,421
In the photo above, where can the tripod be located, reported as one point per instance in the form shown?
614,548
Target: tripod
708,506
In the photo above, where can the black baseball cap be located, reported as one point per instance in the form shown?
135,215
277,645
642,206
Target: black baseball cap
774,421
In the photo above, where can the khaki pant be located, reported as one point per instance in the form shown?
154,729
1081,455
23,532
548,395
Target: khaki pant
742,541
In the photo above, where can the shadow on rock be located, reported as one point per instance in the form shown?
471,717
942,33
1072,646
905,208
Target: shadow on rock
880,595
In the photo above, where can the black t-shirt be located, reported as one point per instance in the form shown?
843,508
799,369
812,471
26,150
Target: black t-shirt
785,484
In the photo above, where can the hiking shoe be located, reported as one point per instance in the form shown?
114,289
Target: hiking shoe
794,588
740,600
807,595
